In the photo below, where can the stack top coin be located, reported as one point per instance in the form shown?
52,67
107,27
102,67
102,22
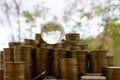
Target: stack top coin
72,36
93,77
114,67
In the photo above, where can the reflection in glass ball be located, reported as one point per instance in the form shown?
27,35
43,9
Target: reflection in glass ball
52,32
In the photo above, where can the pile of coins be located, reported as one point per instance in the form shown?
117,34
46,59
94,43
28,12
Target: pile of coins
67,60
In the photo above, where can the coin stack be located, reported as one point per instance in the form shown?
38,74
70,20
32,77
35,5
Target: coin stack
9,54
63,53
93,77
14,71
68,68
41,60
97,60
112,73
110,60
1,59
72,41
81,56
40,41
13,44
30,42
25,54
67,45
39,38
49,46
1,74
72,36
82,61
58,46
54,61
56,54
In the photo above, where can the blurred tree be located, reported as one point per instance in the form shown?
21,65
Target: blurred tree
108,11
8,14
31,17
11,13
18,14
14,14
78,14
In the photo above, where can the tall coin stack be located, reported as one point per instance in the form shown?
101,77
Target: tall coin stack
68,68
25,54
97,60
41,60
81,56
56,54
55,57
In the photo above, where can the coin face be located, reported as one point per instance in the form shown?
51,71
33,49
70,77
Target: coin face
52,32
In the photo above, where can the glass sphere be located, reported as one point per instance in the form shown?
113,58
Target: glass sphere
52,32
